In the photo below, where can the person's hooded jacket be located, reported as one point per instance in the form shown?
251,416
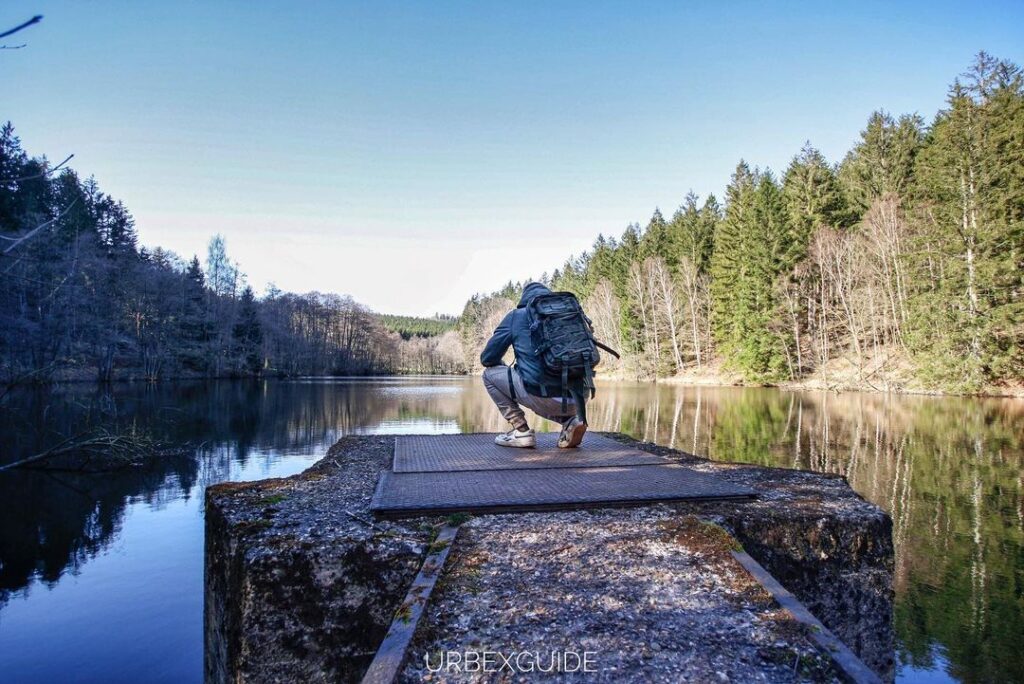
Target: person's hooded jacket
514,331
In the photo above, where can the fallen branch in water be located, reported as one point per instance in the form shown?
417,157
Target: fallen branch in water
119,448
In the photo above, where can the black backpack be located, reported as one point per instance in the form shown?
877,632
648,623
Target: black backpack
563,338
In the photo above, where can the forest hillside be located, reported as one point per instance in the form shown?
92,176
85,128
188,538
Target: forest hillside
82,299
900,267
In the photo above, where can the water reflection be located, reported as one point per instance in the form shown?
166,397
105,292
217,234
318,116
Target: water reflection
948,470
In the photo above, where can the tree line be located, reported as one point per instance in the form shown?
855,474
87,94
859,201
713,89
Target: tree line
80,298
408,327
902,264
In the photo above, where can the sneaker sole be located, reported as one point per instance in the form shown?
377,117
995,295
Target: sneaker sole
517,446
575,437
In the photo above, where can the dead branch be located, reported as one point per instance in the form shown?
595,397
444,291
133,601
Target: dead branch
38,175
34,20
119,447
31,233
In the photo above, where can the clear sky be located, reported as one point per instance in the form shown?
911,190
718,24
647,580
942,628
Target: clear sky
412,154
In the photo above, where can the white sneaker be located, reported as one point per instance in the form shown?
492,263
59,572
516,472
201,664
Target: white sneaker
525,439
572,433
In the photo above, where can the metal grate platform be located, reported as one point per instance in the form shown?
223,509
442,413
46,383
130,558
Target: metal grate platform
409,494
434,454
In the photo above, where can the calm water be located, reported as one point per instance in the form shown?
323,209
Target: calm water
101,575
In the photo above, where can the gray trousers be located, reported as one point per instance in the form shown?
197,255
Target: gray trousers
496,381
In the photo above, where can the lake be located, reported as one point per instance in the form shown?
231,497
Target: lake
101,575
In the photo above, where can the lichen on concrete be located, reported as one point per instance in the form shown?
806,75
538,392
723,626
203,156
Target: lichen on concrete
301,584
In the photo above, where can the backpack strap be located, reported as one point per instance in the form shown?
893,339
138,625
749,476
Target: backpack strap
565,385
589,370
581,404
608,349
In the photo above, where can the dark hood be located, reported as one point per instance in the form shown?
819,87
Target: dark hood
531,291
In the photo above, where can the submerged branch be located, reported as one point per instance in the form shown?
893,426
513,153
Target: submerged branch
118,449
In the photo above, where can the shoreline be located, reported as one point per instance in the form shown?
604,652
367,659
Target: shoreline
818,386
712,377
841,376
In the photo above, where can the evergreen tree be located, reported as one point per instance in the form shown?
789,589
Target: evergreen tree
710,215
617,272
729,269
968,309
12,166
248,335
883,161
813,197
657,240
751,250
692,233
196,326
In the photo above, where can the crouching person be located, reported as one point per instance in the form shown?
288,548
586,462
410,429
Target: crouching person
527,384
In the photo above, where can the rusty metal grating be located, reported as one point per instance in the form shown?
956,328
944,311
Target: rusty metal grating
448,453
408,494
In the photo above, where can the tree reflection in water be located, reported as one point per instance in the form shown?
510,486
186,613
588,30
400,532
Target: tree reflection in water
949,471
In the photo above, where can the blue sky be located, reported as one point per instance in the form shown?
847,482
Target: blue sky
412,154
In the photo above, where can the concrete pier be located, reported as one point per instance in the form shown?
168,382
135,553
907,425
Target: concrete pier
303,582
